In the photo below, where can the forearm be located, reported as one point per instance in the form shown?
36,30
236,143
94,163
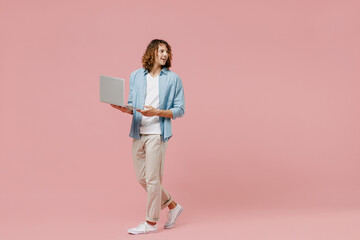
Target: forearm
164,113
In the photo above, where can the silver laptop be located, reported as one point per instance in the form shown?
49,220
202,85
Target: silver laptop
112,90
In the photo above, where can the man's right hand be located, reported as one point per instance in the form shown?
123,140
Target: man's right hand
123,109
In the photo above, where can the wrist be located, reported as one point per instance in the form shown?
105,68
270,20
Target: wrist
158,112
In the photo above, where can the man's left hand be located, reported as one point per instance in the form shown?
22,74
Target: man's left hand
149,112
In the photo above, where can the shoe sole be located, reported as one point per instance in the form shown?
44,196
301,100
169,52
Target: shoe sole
178,214
135,233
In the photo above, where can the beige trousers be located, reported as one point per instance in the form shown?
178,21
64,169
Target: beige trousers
148,158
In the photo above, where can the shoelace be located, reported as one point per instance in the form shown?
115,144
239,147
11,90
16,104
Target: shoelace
170,214
144,225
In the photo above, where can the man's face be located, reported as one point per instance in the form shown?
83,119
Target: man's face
162,55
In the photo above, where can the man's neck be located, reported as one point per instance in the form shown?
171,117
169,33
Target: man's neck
155,71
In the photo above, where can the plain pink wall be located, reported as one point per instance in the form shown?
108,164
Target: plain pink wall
272,104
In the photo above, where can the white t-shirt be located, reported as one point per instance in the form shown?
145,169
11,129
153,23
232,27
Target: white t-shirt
151,125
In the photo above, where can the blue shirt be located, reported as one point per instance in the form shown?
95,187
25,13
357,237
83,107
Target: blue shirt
171,97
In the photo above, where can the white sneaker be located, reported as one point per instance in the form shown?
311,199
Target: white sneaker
173,215
143,227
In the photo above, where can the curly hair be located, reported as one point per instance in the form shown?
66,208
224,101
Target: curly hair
148,59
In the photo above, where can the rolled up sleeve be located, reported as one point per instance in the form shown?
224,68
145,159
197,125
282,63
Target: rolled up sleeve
178,109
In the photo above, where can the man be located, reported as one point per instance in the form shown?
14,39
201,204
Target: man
159,92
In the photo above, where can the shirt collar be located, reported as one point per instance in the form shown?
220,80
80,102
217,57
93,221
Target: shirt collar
163,71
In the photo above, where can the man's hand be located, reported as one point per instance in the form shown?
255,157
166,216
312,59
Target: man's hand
123,109
149,112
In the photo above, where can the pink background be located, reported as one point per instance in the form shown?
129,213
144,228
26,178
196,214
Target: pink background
268,147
